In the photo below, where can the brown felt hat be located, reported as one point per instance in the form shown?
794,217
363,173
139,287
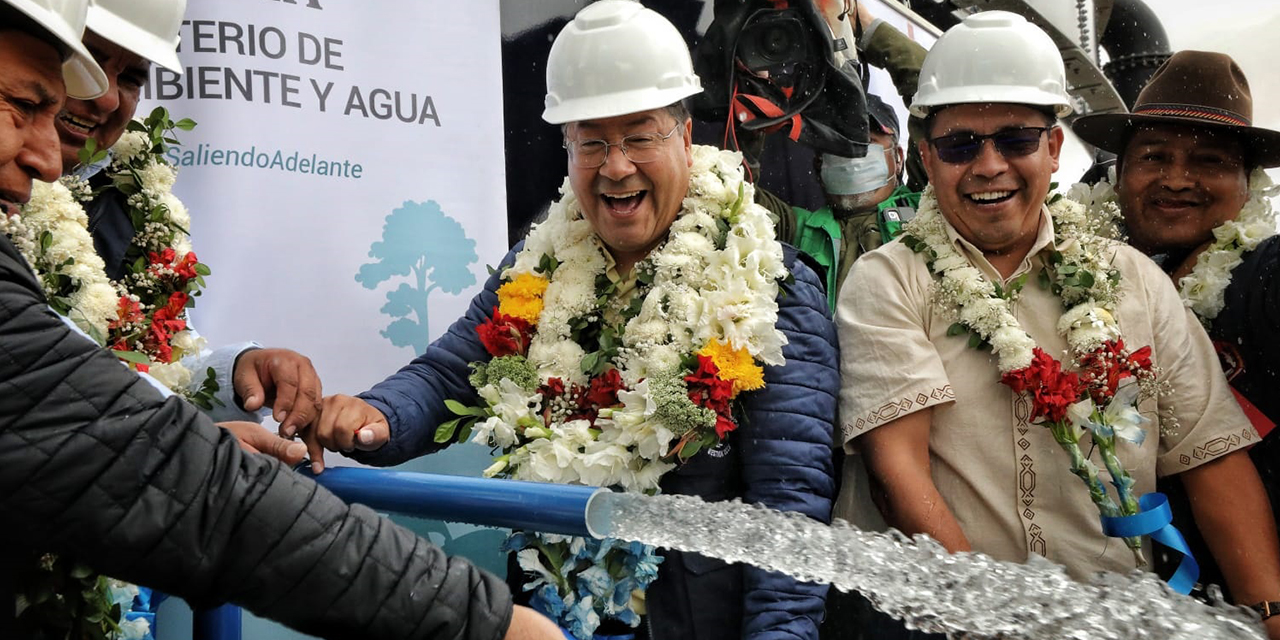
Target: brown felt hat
1193,88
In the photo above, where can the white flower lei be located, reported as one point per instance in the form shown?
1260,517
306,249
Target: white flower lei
983,308
51,232
53,210
699,293
1204,289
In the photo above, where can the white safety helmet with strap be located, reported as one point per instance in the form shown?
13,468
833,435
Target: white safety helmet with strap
64,19
148,28
993,56
616,57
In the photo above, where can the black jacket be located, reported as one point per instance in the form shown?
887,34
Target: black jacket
94,463
110,226
1247,334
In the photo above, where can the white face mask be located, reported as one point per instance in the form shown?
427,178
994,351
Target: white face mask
849,176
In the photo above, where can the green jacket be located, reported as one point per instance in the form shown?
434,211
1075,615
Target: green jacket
834,243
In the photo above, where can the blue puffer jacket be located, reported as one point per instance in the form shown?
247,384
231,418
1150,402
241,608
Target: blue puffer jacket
780,457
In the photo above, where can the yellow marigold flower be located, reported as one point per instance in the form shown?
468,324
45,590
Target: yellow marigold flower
735,365
522,297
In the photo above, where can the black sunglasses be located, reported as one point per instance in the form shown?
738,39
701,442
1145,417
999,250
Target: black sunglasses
1011,143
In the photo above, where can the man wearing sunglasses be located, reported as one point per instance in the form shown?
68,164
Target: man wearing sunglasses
655,247
950,450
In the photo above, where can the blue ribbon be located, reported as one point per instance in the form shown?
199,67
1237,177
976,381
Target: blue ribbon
1155,519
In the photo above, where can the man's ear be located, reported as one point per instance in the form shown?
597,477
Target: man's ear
1056,136
688,140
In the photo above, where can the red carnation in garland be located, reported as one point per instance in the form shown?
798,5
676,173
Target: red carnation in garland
1052,389
1102,369
600,393
504,335
603,391
706,389
724,426
128,312
166,322
164,258
554,388
1140,360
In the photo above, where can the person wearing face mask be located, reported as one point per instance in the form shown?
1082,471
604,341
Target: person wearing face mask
866,201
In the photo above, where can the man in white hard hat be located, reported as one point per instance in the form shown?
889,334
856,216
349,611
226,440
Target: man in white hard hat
650,334
126,37
96,463
996,399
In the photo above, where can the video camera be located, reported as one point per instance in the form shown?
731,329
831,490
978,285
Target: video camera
770,66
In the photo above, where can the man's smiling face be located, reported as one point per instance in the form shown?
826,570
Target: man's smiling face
632,205
104,118
1177,183
994,199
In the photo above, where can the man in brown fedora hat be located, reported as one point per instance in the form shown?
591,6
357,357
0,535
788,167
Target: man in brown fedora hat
1192,194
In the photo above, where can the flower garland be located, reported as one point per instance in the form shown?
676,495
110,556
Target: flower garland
51,232
1101,399
1204,289
588,387
142,318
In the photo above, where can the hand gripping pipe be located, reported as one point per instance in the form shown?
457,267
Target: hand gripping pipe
534,506
513,504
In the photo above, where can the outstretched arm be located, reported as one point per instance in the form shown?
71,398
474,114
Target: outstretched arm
94,463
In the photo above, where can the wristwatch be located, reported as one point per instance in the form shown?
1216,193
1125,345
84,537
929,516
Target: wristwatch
1266,608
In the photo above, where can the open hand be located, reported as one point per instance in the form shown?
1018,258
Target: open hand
282,379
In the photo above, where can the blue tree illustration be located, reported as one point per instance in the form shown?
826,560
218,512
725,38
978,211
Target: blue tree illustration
422,243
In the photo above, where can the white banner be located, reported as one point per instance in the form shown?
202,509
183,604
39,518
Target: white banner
320,122
346,187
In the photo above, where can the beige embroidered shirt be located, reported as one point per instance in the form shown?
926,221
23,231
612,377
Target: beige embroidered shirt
1006,480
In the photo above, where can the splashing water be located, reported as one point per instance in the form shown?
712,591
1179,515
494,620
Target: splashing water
918,582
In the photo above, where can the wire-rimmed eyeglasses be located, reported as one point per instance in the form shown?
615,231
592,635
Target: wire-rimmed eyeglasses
637,147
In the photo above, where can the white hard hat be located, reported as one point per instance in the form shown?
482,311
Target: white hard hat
993,56
616,57
148,28
64,19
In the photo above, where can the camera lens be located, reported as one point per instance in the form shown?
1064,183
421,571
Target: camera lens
777,42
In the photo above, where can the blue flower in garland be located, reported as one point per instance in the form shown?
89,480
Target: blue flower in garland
579,581
641,561
595,581
547,601
581,616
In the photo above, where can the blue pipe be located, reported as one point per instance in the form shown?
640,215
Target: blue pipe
218,623
536,506
552,508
